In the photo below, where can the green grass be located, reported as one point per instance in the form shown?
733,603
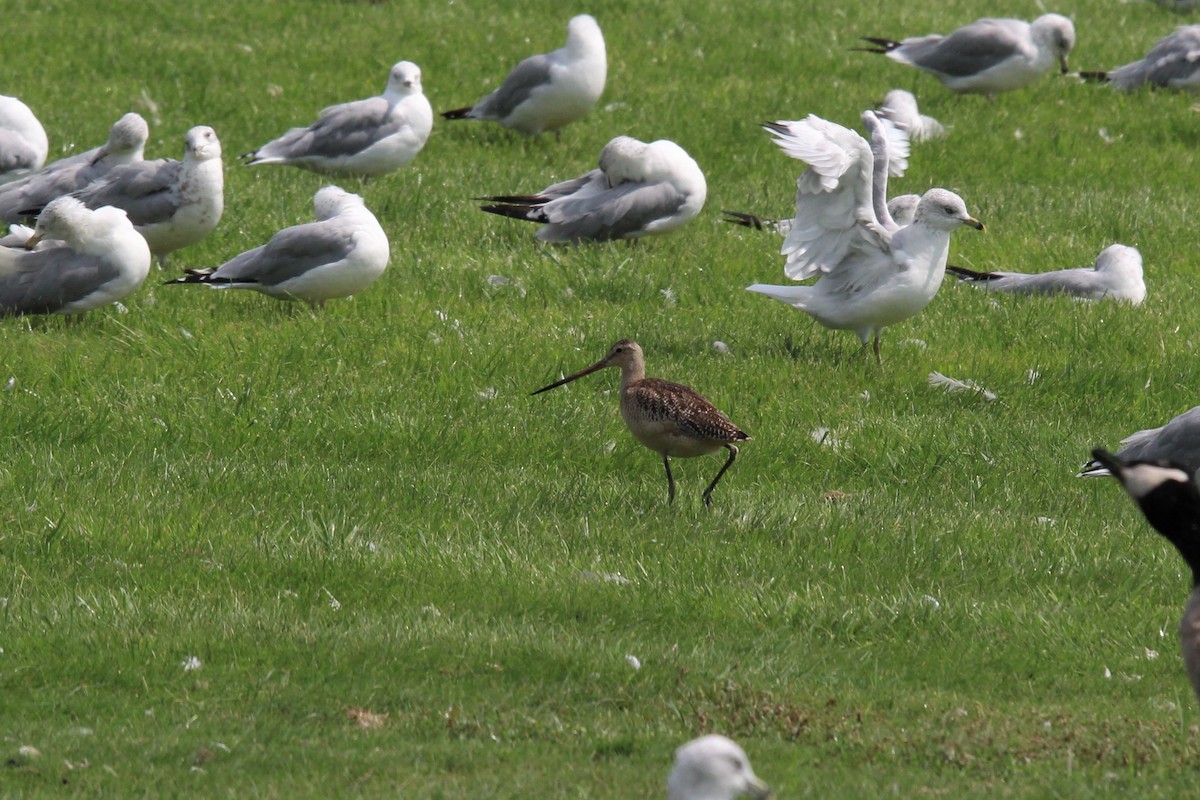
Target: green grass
362,508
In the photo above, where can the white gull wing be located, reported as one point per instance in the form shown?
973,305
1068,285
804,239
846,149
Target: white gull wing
834,202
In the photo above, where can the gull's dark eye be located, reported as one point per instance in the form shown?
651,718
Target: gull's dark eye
948,209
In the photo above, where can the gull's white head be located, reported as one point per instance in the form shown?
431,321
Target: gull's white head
1055,33
329,201
62,219
128,135
621,160
404,79
713,768
202,143
1120,258
583,30
944,210
900,106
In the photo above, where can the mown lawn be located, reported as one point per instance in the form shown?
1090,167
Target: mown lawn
251,550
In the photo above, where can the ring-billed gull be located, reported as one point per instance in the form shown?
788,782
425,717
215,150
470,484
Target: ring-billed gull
1177,441
1172,63
989,55
340,254
900,108
1168,497
873,273
171,203
713,767
547,92
638,190
125,145
1116,275
670,419
23,143
95,258
367,137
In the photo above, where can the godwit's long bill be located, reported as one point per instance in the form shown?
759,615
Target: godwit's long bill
668,418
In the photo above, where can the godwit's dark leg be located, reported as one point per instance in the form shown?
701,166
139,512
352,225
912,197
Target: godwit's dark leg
670,480
733,451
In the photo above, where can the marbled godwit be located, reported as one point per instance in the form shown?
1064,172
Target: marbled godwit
1169,499
713,768
670,419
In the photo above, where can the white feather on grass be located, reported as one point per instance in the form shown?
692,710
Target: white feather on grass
956,386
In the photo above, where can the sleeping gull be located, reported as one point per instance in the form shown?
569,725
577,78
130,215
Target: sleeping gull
340,254
23,143
1172,63
364,137
1116,275
171,203
1168,497
713,767
1177,441
126,141
548,92
872,272
638,190
989,55
97,258
900,108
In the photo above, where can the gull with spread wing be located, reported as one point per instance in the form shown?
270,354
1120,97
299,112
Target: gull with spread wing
872,272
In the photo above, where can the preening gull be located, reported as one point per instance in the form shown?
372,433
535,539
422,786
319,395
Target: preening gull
126,142
1116,275
1177,441
1173,63
900,108
96,258
988,56
171,203
1168,497
713,767
340,254
23,143
365,137
872,272
638,190
547,92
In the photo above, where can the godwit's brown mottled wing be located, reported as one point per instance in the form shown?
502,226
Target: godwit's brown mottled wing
654,400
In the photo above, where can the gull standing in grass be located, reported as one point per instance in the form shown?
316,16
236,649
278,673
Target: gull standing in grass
872,272
713,767
171,203
1116,275
125,145
900,108
87,259
1169,499
548,92
989,55
23,143
670,419
638,190
1178,441
340,254
1173,63
366,138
